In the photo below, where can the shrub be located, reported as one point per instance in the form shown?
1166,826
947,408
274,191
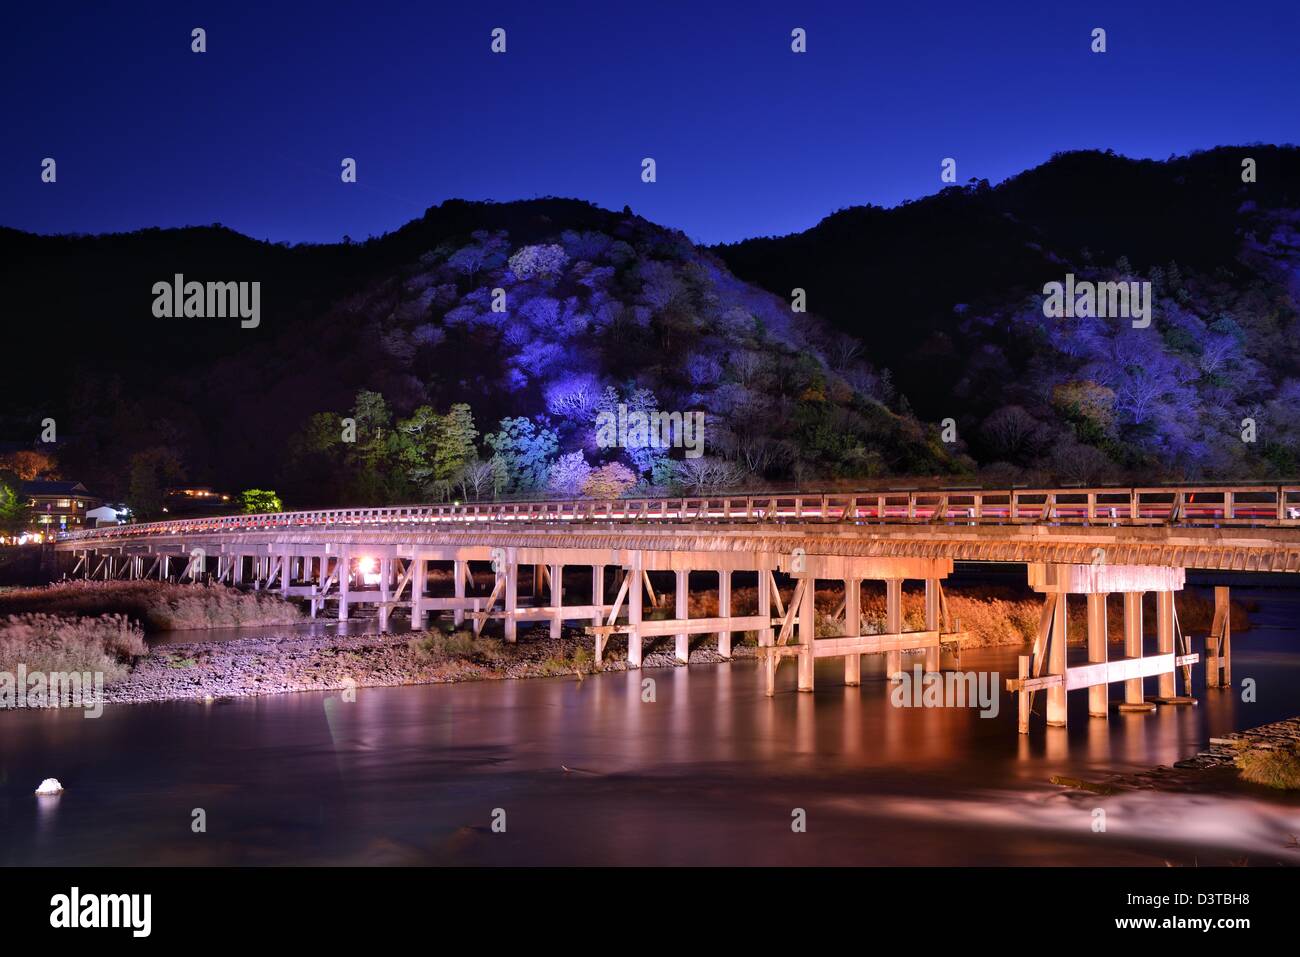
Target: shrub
157,605
1278,768
49,643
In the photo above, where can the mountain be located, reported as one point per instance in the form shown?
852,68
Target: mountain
947,295
535,315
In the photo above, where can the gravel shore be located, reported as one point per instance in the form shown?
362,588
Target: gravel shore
279,664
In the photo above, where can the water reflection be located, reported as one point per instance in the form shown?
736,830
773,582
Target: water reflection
704,771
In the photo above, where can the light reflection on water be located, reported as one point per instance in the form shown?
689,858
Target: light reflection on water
707,774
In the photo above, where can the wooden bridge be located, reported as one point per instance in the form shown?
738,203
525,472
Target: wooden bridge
1093,542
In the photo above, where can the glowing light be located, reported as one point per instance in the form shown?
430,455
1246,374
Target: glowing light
365,565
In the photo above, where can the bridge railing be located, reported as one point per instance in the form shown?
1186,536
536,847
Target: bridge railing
1200,505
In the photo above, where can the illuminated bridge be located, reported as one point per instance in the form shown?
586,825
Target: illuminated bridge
1093,542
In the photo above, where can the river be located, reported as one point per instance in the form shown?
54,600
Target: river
587,772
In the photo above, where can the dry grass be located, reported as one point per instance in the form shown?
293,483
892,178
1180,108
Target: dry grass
48,643
1273,767
991,615
158,606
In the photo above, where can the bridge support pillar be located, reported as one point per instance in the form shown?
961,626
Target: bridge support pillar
419,585
556,576
852,628
385,593
724,611
511,586
807,633
1166,684
932,592
459,573
1218,644
597,593
1134,696
681,609
1098,653
765,635
345,582
322,576
894,626
635,594
1056,696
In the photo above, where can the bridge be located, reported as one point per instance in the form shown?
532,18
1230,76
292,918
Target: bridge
1090,542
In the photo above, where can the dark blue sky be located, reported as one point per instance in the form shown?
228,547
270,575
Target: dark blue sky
750,139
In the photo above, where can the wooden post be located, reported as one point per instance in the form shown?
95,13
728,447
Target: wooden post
932,593
385,576
1166,686
237,570
765,635
807,633
1222,599
345,582
894,626
286,574
318,600
1022,697
1133,643
852,628
597,593
1098,695
419,581
682,611
1056,697
458,574
556,576
511,599
635,593
724,611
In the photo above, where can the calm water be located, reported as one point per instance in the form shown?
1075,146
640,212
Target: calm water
587,773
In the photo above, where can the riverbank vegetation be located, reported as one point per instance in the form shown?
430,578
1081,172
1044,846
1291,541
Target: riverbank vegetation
49,644
157,606
1273,767
986,615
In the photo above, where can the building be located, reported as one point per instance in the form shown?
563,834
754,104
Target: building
195,500
58,506
106,515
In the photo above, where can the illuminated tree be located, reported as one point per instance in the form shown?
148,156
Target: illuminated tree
257,500
14,515
609,481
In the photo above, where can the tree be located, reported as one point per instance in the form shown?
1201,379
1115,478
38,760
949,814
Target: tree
706,474
568,475
455,446
151,470
609,481
14,514
523,454
257,500
28,465
474,478
532,261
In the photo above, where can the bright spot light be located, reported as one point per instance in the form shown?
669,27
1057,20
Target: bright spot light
366,565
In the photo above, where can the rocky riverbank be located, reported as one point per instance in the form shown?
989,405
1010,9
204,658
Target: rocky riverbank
1268,755
274,665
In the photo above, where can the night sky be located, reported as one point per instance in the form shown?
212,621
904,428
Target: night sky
750,138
